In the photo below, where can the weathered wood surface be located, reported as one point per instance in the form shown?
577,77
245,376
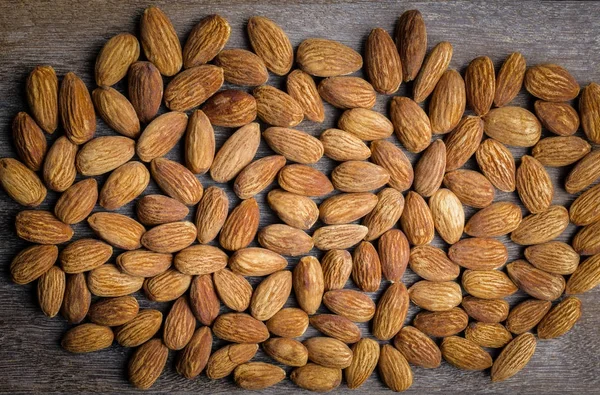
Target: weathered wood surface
68,35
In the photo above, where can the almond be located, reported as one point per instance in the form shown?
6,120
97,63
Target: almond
233,289
116,111
287,322
488,284
104,154
465,354
411,39
123,185
391,312
347,207
497,164
294,145
584,173
204,301
42,227
485,310
365,355
510,79
276,107
108,281
418,348
84,255
463,142
393,252
167,286
241,225
42,97
435,296
230,108
270,42
115,57
223,361
382,62
176,181
161,135
411,124
432,263
51,291
337,266
308,284
236,153
255,261
199,143
257,375
159,209
343,146
211,214
559,118
145,90
144,263
327,58
441,323
192,87
497,219
295,210
353,305
365,124
20,183
171,237
560,319
385,214
194,357
447,103
394,369
347,92
433,67
32,262
513,126
87,338
338,237
77,202
536,282
179,325
542,227
197,260
492,335
242,67
114,311
551,82
59,167
240,328
589,108
315,377
553,257
147,363
480,81
270,295
448,215
140,329
513,357
471,187
391,158
160,42
328,352
77,299
304,180
416,220
205,41
366,268
301,86
585,277
76,110
336,326
585,209
560,151
29,140
430,169
359,176
117,230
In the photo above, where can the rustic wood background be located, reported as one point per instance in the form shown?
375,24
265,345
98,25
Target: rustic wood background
69,34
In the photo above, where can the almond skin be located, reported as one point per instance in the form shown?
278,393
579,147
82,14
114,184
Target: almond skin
387,155
553,257
108,281
114,311
488,335
495,220
32,262
366,267
336,326
338,237
77,299
471,187
257,375
104,154
257,176
366,124
198,260
140,329
584,173
585,209
116,111
551,82
536,282
76,110
465,354
242,67
294,145
585,277
288,322
42,97
346,207
448,215
161,135
328,352
391,312
194,357
497,164
144,263
301,86
433,67
435,296
160,42
432,263
145,90
241,225
211,214
223,361
270,42
20,183
447,103
270,295
160,209
30,141
276,107
382,62
51,290
441,323
295,210
430,169
42,227
308,284
115,57
84,254
236,153
204,302
385,214
234,290
123,185
315,377
542,227
199,143
488,284
589,108
480,81
167,286
206,40
87,338
230,108
513,126
394,370
559,118
147,363
176,181
411,40
411,124
365,355
510,79
240,328
485,310
416,220
560,319
171,237
353,305
418,348
347,92
179,325
513,357
337,266
393,252
59,167
117,230
463,142
193,87
560,151
327,58
304,180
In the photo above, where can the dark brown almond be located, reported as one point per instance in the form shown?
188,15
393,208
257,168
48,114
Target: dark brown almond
176,181
463,142
304,180
230,108
42,227
288,322
77,299
441,323
32,262
354,305
159,209
551,82
391,312
478,253
526,315
430,169
485,310
29,140
223,361
76,110
204,301
435,64
497,163
366,267
233,289
116,111
194,357
416,220
147,363
240,328
536,282
411,40
145,90
390,157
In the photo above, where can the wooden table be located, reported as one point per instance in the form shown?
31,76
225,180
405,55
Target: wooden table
69,34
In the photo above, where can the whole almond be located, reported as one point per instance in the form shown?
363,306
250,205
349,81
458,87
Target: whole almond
471,187
32,262
542,227
480,82
315,377
270,42
176,181
513,357
342,146
328,352
160,209
488,284
199,143
42,227
465,354
430,169
145,90
385,214
359,176
301,86
448,215
117,230
337,266
276,107
236,153
20,183
160,42
587,241
161,135
77,299
432,263
84,254
441,323
497,164
510,79
123,185
390,157
197,260
288,322
411,39
116,111
366,124
336,326
584,173
51,290
59,167
416,220
433,67
77,202
147,363
114,311
242,67
255,261
304,180
140,329
223,361
294,145
295,210
411,124
194,357
391,312
347,92
366,267
240,328
560,319
560,151
327,58
192,87
171,237
206,40
514,126
492,335
87,338
559,118
589,108
485,310
497,219
551,82
382,62
233,289
585,209
167,286
109,281
585,277
447,103
42,97
308,284
241,225
435,296
211,213
463,142
144,263
353,305
179,325
270,295
418,348
553,257
257,375
76,110
230,108
29,140
104,154
365,355
346,207
393,252
115,57
204,301
394,370
536,282
339,237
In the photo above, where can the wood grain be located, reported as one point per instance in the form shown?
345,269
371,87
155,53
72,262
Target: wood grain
68,35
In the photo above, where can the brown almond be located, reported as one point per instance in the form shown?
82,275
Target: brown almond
194,357
84,254
223,361
327,58
587,241
390,157
304,180
171,237
301,86
411,40
328,352
441,323
176,181
32,262
192,87
488,335
430,169
145,90
585,209
365,124
584,173
394,370
411,124
416,220
485,310
123,185
343,146
20,183
114,311
308,284
432,263
513,357
116,111
435,296
585,277
42,97
366,267
463,142
391,312
365,355
59,170
51,290
211,214
435,64
480,82
109,281
167,286
447,103
382,62
77,202
77,299
542,227
510,79
394,251
230,108
589,108
29,140
241,225
233,289
115,57
270,42
179,325
346,207
337,266
140,329
560,151
117,230
257,375
205,41
144,263
338,237
204,301
242,67
147,363
270,295
315,377
197,260
359,176
514,126
385,214
347,92
76,110
87,338
240,328
294,145
42,227
497,219
276,107
199,143
288,322
104,154
471,187
559,118
560,319
351,304
418,348
254,261
295,210
553,257
448,215
336,326
536,282
236,153
551,82
160,209
161,135
497,164
488,284
160,42
465,354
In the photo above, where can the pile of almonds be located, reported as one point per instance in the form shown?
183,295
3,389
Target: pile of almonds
160,250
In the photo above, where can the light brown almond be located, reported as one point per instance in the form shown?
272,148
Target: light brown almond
140,329
353,305
416,220
514,357
116,111
109,281
211,214
161,135
497,219
176,181
327,58
257,375
463,142
480,81
387,155
206,40
288,322
294,145
51,291
553,257
104,154
115,57
418,348
87,338
435,64
536,282
114,311
242,67
347,92
492,335
514,126
551,82
241,225
223,361
366,267
338,237
84,254
192,87
147,363
32,262
301,86
270,295
589,108
435,296
308,284
394,250
343,146
584,173
315,377
430,169
394,370
160,42
471,187
199,143
411,124
485,310
197,260
59,170
465,354
542,227
328,352
236,153
585,209
179,325
304,180
144,263
233,289
365,124
488,284
42,227
336,326
76,110
510,79
560,151
447,103
346,207
270,42
276,107
240,328
20,183
160,209
585,277
391,312
194,357
171,237
117,230
448,215
42,97
382,62
295,210
365,355
385,214
167,286
497,164
123,185
254,261
432,263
